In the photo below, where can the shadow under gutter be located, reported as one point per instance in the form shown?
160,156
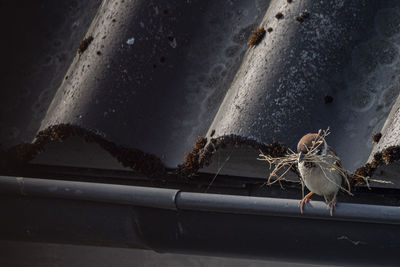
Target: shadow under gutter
168,220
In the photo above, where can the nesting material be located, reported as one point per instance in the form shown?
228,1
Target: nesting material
281,165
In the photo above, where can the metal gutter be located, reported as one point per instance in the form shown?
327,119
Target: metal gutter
287,208
172,221
172,199
117,194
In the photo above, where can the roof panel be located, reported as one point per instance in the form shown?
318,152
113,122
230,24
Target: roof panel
157,75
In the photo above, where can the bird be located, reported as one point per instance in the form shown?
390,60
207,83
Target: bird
320,180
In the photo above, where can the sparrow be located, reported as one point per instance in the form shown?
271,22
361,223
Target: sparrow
323,181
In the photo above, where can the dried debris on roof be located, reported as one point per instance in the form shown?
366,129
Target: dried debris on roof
279,15
256,36
376,137
136,159
202,151
84,44
303,16
192,159
391,154
200,156
386,156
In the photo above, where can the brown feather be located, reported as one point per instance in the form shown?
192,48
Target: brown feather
338,162
305,142
332,150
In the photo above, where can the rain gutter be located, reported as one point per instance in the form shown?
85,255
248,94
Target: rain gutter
173,199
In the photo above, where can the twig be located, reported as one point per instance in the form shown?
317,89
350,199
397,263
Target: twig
219,170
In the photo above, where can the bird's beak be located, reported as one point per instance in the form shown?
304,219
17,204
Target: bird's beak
301,156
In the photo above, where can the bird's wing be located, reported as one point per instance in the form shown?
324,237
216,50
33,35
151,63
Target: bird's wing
339,164
332,150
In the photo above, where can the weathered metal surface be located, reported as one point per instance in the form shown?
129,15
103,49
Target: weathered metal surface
207,224
152,76
40,41
155,72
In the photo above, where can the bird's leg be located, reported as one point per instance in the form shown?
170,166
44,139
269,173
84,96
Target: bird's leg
332,204
304,201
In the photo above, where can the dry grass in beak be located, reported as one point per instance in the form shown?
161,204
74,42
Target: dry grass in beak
281,165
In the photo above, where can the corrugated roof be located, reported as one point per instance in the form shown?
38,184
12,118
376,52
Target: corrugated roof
150,77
